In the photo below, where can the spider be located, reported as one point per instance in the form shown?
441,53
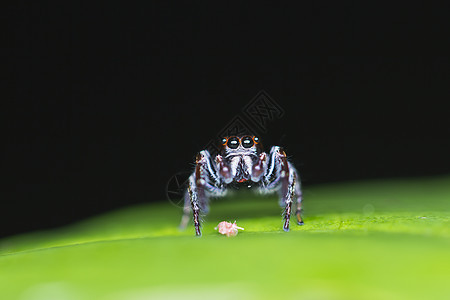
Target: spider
241,160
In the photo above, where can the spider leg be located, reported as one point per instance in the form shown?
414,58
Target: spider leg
299,196
287,179
282,176
194,195
204,181
202,203
293,192
186,211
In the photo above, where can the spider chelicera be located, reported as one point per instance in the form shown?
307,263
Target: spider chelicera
242,159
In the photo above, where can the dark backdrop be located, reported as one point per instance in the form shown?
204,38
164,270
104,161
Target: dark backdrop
104,103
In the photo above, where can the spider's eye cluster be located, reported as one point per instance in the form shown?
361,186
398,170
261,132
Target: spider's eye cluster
247,142
233,142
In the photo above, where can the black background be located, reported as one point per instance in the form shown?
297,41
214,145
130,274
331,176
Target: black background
104,103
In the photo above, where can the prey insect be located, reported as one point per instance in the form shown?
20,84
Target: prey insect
242,159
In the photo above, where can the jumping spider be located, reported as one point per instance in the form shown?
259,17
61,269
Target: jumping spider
242,159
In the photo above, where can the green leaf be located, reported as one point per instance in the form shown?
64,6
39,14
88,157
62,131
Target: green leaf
380,239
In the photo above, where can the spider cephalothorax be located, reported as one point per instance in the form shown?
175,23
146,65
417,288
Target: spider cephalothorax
242,159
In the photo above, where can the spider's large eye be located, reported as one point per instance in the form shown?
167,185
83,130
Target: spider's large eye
233,142
247,141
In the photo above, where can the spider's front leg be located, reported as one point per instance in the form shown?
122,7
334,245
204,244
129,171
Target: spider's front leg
298,195
282,176
288,199
204,181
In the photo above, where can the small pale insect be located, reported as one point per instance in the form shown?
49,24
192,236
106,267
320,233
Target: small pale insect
228,229
242,160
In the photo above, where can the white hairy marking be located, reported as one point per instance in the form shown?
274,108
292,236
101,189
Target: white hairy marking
206,158
273,151
248,163
234,164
